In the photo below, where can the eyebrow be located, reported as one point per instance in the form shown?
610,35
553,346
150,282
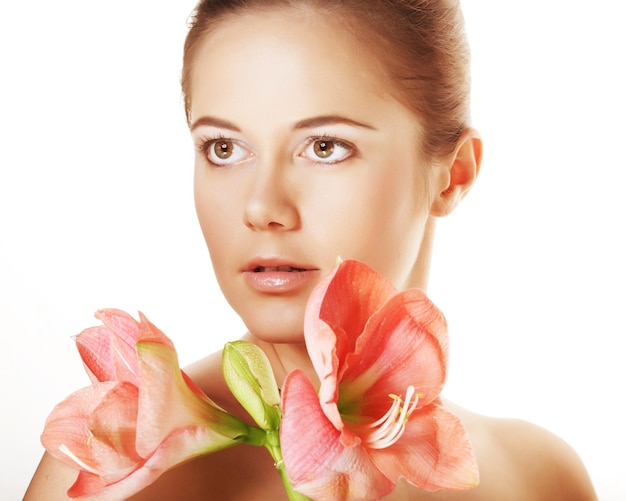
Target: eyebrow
214,122
302,124
330,120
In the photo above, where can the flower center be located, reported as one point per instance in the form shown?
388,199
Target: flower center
388,429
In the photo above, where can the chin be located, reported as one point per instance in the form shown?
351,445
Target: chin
274,327
272,319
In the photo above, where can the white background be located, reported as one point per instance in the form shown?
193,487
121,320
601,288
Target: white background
96,211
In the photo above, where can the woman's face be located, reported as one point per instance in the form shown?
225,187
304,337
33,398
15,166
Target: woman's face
302,156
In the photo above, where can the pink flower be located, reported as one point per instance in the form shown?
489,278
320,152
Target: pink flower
381,357
141,416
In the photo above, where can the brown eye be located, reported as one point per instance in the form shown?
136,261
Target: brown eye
323,149
224,152
223,149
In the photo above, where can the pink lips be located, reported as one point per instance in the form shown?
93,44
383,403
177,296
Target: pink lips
273,277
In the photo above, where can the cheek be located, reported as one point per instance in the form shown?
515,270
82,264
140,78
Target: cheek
380,220
393,197
202,204
212,209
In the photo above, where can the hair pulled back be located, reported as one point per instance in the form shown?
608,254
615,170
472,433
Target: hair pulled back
421,43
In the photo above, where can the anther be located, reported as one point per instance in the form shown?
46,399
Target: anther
388,429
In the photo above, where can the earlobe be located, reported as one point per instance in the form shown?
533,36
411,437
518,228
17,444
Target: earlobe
460,172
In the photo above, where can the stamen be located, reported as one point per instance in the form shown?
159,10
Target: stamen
388,429
66,450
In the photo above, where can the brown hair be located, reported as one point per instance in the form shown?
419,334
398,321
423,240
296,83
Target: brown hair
425,39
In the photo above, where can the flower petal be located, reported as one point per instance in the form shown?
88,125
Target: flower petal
317,464
113,426
108,351
148,332
123,434
337,311
181,445
348,298
166,402
404,344
433,453
69,437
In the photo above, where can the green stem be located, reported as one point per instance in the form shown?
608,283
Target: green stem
272,444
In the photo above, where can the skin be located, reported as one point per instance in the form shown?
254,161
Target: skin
281,201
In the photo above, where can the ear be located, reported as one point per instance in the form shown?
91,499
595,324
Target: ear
459,170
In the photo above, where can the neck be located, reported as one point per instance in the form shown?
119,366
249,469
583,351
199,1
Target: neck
285,357
421,268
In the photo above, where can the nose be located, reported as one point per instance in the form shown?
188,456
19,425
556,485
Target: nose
271,201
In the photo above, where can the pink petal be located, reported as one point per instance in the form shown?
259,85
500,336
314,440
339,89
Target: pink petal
123,325
317,464
180,446
405,343
68,426
337,311
166,402
433,453
347,299
324,357
149,333
124,435
113,425
108,351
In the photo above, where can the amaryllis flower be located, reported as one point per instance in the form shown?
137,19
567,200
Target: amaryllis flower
141,416
381,357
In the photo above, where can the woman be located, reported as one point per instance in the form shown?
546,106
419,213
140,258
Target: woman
312,143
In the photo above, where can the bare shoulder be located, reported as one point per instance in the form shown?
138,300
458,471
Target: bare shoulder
51,480
513,452
548,461
207,372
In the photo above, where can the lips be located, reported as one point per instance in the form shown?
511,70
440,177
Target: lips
278,276
265,264
261,269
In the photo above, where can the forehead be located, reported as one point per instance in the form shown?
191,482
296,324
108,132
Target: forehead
290,58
